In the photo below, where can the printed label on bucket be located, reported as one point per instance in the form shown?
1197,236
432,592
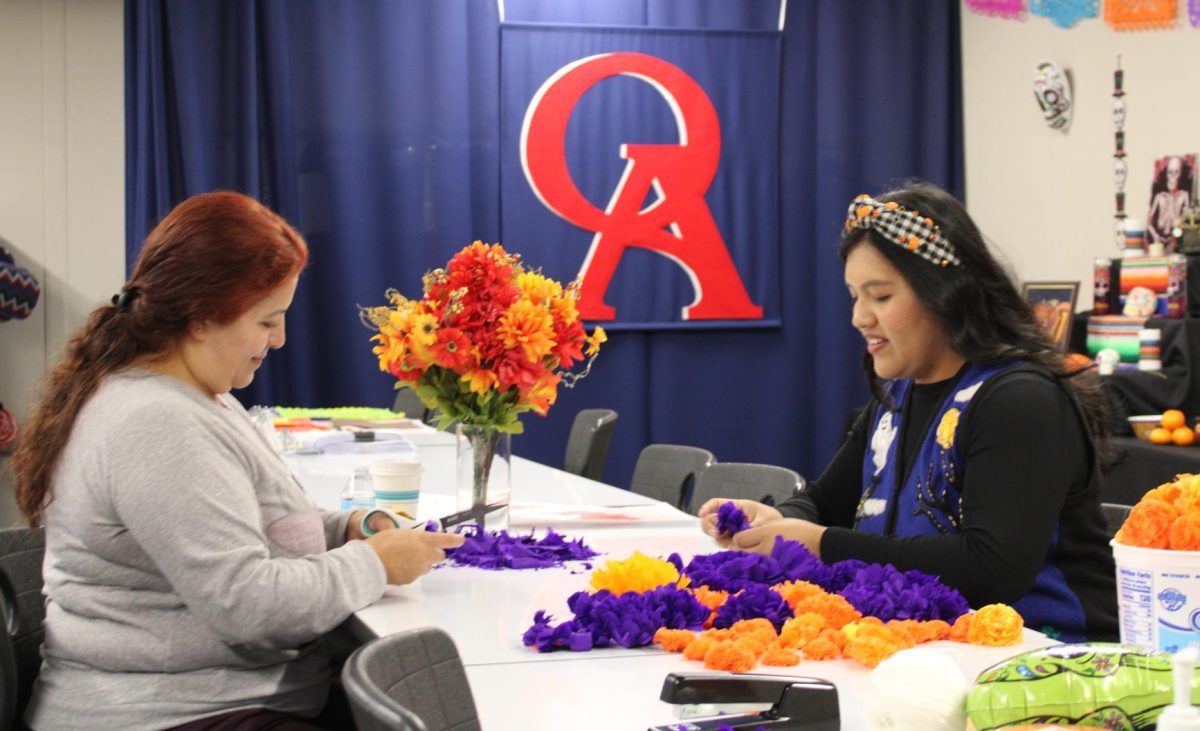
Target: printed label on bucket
1158,595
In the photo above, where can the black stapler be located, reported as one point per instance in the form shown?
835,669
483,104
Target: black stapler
798,704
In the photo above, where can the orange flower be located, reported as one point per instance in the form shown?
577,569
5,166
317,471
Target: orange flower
836,636
780,657
480,380
822,649
1168,492
801,629
698,648
936,629
729,656
795,591
1185,533
996,625
755,644
594,340
674,640
961,628
870,651
710,598
756,626
529,327
1148,524
836,610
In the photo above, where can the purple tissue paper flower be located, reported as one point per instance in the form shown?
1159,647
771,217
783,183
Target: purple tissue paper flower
496,550
731,519
752,602
604,619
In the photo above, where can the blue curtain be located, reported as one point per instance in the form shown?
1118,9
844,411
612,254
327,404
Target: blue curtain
373,127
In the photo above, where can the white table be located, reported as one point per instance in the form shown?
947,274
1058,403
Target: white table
486,612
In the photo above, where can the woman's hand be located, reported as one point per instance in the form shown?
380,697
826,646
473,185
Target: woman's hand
756,513
761,539
378,522
409,553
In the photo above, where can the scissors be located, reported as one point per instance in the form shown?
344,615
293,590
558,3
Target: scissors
440,524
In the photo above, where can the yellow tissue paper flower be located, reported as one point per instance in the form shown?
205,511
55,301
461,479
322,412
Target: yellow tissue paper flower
639,573
946,429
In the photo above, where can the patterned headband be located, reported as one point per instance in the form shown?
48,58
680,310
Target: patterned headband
917,233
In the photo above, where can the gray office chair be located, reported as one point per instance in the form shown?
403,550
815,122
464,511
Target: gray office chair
762,482
587,445
1115,514
24,611
411,681
667,471
410,405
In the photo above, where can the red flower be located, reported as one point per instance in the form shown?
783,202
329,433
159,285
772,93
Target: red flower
514,370
569,339
453,350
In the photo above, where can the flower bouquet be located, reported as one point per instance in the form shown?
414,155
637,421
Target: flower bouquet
488,341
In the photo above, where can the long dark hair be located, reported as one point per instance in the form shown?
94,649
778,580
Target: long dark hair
985,316
208,260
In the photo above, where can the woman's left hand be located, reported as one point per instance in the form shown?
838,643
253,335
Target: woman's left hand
762,538
354,526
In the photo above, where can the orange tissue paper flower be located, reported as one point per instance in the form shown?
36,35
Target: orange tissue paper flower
1148,524
1188,499
710,598
1185,533
795,591
822,649
755,644
961,628
935,629
799,630
1168,492
780,657
836,636
729,656
835,609
869,650
996,625
674,640
757,626
698,648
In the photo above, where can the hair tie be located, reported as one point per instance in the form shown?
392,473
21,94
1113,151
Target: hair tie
909,229
125,299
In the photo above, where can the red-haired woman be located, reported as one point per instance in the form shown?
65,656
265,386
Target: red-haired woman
188,578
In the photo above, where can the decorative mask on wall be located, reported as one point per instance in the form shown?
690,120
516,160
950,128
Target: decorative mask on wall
1052,89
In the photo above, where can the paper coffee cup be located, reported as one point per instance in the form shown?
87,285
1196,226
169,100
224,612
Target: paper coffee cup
397,486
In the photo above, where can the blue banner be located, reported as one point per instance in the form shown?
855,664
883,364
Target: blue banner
646,163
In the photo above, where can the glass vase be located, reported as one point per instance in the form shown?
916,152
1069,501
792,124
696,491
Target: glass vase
484,475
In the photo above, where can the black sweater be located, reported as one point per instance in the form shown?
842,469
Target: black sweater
1028,473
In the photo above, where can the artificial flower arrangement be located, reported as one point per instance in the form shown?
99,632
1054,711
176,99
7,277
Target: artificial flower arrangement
488,340
1167,517
733,609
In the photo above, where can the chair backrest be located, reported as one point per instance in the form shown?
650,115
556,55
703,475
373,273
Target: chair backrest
663,471
1115,514
587,446
24,608
411,681
762,482
408,403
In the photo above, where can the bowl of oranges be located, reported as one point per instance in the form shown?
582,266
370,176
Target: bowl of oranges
1170,427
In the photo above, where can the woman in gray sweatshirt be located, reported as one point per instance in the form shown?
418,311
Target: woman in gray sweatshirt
188,578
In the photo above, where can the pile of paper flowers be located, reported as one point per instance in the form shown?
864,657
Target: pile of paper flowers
733,609
1166,517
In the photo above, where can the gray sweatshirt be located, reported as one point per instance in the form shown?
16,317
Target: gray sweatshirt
187,573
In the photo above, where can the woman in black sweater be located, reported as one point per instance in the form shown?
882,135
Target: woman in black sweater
977,459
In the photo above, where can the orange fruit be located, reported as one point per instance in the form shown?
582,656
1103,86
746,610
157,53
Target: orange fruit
1183,436
1160,436
1172,419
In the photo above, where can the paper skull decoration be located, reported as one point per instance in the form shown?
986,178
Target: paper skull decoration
1052,89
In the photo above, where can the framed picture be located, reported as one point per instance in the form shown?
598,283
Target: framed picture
1053,305
1172,192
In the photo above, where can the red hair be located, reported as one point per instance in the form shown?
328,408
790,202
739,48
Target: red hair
211,258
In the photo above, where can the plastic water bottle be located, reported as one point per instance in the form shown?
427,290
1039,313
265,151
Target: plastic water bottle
359,493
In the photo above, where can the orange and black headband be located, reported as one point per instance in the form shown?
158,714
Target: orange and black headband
917,233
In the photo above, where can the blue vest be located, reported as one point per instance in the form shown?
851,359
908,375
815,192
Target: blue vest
930,500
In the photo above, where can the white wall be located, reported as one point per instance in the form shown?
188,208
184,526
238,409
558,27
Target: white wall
62,177
1044,198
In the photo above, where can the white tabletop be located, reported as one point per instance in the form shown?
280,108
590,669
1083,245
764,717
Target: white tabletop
486,612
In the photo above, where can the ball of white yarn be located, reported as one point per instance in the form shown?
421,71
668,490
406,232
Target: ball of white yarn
919,689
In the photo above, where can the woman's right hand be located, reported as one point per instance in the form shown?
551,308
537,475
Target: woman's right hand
757,513
409,553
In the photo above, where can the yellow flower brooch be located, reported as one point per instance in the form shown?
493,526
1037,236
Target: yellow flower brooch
946,429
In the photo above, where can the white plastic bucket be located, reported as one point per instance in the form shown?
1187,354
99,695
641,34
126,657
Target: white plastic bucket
1158,597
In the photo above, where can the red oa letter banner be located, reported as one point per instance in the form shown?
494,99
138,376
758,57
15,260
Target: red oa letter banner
645,162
